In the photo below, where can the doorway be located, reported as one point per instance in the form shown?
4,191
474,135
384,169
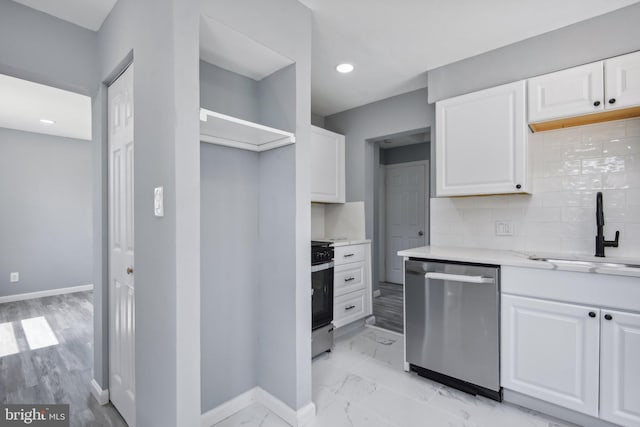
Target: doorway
121,247
402,219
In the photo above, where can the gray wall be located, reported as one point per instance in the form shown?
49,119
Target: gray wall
317,120
604,36
228,93
248,211
167,153
405,153
229,277
398,114
45,221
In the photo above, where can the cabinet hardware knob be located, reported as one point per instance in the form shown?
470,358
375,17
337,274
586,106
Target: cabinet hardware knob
420,233
518,186
608,316
592,314
596,104
612,101
129,270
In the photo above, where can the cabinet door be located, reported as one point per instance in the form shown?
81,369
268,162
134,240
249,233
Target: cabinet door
620,368
327,166
622,76
549,351
481,142
567,93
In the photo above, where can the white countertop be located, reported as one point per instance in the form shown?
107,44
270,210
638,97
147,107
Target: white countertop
520,259
344,242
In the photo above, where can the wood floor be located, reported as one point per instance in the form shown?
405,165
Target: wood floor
388,307
57,373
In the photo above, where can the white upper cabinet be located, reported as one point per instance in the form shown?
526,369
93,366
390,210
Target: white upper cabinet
481,142
567,93
622,75
572,97
620,368
550,351
327,166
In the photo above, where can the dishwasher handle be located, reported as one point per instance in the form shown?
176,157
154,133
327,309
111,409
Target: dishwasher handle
459,278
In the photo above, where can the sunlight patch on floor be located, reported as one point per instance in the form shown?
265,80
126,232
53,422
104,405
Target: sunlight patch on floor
38,333
8,343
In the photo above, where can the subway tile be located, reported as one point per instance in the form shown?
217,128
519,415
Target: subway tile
582,182
622,147
632,214
578,246
576,214
633,197
604,131
618,180
633,127
603,165
631,231
543,214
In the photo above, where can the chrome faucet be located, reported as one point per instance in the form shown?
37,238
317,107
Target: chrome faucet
601,243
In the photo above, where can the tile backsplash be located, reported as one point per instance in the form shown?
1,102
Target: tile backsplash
569,166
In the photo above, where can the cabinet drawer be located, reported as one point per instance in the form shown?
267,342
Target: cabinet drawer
348,307
348,278
348,254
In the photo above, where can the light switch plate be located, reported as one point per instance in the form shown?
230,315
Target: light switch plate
504,228
14,277
158,201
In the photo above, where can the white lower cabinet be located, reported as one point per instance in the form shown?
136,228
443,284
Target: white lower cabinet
550,351
352,284
620,368
581,357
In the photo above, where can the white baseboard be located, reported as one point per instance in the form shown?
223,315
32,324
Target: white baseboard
228,408
376,293
298,418
41,294
102,396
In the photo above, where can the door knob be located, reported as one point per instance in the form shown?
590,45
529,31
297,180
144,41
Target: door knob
129,270
420,233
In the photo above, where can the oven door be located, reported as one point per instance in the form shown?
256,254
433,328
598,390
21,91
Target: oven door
322,296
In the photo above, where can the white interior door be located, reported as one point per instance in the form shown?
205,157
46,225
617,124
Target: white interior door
405,198
121,280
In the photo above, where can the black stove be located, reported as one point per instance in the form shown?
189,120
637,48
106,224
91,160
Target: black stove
322,297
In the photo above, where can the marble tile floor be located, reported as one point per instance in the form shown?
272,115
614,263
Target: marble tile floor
388,308
49,359
362,384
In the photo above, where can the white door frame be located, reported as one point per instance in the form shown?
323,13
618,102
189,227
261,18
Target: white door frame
383,210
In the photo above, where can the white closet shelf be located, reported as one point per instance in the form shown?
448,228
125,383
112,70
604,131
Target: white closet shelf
218,128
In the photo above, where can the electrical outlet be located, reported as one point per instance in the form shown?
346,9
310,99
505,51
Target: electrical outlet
504,228
14,277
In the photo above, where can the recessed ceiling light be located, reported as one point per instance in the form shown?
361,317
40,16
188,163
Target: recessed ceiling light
344,68
47,121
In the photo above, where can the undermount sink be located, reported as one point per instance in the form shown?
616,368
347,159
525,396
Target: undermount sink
576,262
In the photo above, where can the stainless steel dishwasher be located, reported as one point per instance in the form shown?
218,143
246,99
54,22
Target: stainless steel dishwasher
453,323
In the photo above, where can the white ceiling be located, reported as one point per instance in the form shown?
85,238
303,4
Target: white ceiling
393,43
403,139
24,103
89,14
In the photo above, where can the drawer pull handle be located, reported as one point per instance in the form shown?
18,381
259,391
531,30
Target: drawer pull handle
350,307
348,255
349,279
